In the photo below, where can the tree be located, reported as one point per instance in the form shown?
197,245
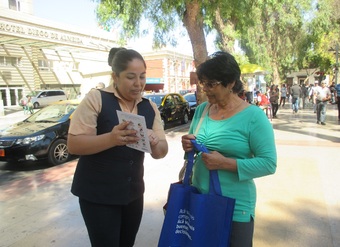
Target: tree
272,39
321,38
164,15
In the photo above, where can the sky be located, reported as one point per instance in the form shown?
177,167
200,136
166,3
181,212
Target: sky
81,13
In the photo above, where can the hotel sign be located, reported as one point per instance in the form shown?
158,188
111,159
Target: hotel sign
39,33
53,35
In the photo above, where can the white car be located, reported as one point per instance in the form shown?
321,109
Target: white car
46,97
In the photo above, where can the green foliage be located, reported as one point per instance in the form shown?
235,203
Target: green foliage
279,35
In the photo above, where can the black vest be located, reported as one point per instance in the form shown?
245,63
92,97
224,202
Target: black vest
113,176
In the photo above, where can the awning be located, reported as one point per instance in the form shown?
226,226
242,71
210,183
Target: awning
252,69
154,87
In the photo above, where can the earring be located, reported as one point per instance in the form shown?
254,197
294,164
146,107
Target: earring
115,85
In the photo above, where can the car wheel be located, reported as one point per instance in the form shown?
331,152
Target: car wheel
58,153
185,118
36,105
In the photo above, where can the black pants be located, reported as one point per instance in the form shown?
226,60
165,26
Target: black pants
338,103
112,225
242,234
275,107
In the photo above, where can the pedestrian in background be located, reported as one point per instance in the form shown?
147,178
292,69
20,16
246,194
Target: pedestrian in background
304,95
29,105
283,95
295,92
322,96
239,138
274,99
337,98
109,175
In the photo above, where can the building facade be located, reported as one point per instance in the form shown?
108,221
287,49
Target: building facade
39,54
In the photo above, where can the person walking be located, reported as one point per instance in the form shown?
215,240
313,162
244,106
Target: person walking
283,95
295,92
304,95
322,96
274,99
239,138
109,175
337,98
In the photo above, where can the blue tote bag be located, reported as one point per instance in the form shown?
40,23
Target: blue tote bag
193,219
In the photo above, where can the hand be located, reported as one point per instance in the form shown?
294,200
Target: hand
186,142
153,138
213,160
121,135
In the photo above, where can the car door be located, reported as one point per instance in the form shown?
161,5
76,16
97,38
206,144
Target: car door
169,108
180,107
43,99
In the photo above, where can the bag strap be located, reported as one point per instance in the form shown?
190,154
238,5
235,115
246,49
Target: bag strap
206,108
214,183
190,156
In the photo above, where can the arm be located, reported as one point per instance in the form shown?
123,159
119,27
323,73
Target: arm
158,143
261,159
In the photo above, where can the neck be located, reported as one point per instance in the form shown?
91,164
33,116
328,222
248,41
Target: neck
228,104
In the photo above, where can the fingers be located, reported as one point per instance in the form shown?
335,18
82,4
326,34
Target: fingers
186,142
153,138
121,135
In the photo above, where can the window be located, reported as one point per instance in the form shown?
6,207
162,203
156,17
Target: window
44,65
10,61
14,4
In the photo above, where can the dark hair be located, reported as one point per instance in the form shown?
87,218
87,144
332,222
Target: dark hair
221,66
121,57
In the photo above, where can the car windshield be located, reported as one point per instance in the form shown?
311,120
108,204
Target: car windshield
190,97
155,98
52,113
35,93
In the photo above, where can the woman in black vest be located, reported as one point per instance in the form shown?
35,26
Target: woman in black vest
109,176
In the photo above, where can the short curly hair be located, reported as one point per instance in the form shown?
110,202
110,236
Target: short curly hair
221,66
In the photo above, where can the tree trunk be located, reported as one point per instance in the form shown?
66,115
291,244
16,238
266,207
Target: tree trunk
193,22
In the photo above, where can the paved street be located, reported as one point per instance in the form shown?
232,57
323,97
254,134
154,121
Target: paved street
298,206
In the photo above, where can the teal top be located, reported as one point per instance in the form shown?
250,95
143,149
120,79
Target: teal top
247,137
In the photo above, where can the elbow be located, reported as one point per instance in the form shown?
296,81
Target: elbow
72,148
272,167
160,151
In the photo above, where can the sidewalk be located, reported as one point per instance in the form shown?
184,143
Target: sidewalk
298,206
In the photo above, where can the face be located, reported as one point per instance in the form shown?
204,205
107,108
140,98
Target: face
131,82
216,92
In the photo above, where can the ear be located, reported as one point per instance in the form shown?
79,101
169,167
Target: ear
114,76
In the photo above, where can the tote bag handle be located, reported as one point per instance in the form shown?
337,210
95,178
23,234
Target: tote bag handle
214,184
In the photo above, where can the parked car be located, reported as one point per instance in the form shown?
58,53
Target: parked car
191,98
46,97
172,107
43,135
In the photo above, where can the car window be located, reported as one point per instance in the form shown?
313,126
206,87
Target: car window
190,97
177,99
155,98
169,100
43,94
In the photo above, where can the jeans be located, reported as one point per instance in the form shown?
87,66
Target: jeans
295,105
321,111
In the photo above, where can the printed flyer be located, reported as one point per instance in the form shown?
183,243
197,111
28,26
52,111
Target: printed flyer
137,123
